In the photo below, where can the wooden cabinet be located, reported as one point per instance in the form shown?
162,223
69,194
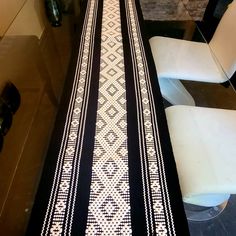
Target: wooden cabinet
34,56
8,11
26,142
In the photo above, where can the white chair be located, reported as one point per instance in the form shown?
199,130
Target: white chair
204,147
178,59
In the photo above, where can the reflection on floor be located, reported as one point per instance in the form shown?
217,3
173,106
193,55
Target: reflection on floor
212,95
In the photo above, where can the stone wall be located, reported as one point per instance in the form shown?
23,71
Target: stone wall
167,10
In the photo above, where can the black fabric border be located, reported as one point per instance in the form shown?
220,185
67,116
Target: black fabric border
138,218
83,190
137,209
175,196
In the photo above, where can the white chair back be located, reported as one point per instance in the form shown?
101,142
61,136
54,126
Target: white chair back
223,42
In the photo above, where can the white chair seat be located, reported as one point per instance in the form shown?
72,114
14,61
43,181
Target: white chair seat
185,60
204,147
178,59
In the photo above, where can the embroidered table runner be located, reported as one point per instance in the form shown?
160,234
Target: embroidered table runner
110,169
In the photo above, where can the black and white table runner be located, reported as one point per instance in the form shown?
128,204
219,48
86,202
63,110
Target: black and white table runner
111,170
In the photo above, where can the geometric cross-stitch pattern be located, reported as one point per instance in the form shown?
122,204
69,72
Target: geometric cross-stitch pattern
110,172
60,210
155,183
109,208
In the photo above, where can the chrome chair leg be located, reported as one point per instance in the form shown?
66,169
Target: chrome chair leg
199,213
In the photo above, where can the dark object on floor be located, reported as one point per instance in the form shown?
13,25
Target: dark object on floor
11,97
54,12
9,104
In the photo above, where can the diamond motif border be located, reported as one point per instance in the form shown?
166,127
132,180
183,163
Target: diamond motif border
109,206
59,215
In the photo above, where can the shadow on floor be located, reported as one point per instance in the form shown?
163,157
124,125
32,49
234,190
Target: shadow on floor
211,95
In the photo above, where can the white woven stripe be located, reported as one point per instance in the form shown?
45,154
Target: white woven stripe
109,204
149,132
61,203
143,155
